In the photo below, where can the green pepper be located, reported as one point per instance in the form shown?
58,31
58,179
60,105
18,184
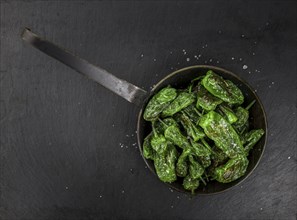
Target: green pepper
222,133
165,165
222,89
158,103
206,100
243,116
232,170
200,150
148,151
205,161
190,184
158,141
195,169
195,132
251,138
173,134
181,165
228,113
218,157
192,112
183,100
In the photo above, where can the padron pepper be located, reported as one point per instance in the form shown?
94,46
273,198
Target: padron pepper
158,103
181,165
251,138
222,133
206,100
218,157
148,151
158,141
243,116
192,130
192,112
228,113
190,184
205,161
183,100
165,165
222,89
232,170
195,169
173,134
200,150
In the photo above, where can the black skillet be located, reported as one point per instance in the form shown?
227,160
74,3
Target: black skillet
140,97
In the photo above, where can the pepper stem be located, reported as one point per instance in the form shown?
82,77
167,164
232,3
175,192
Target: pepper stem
206,145
250,105
202,180
154,129
163,122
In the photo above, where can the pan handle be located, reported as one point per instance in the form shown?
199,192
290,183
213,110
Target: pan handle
121,87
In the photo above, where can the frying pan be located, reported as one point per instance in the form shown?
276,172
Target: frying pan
140,98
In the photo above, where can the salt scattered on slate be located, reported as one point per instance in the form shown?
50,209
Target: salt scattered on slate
205,61
177,197
154,60
100,196
219,31
205,45
218,61
254,54
123,191
210,60
240,59
188,59
199,55
261,208
66,187
244,67
141,55
242,35
272,83
232,58
289,158
255,90
171,190
172,206
170,52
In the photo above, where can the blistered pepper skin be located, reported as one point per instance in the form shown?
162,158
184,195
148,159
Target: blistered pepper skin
222,133
222,89
232,170
158,103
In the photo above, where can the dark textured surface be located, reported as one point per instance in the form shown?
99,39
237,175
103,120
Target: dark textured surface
61,134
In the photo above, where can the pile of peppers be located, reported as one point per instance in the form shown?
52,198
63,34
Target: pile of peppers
200,133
